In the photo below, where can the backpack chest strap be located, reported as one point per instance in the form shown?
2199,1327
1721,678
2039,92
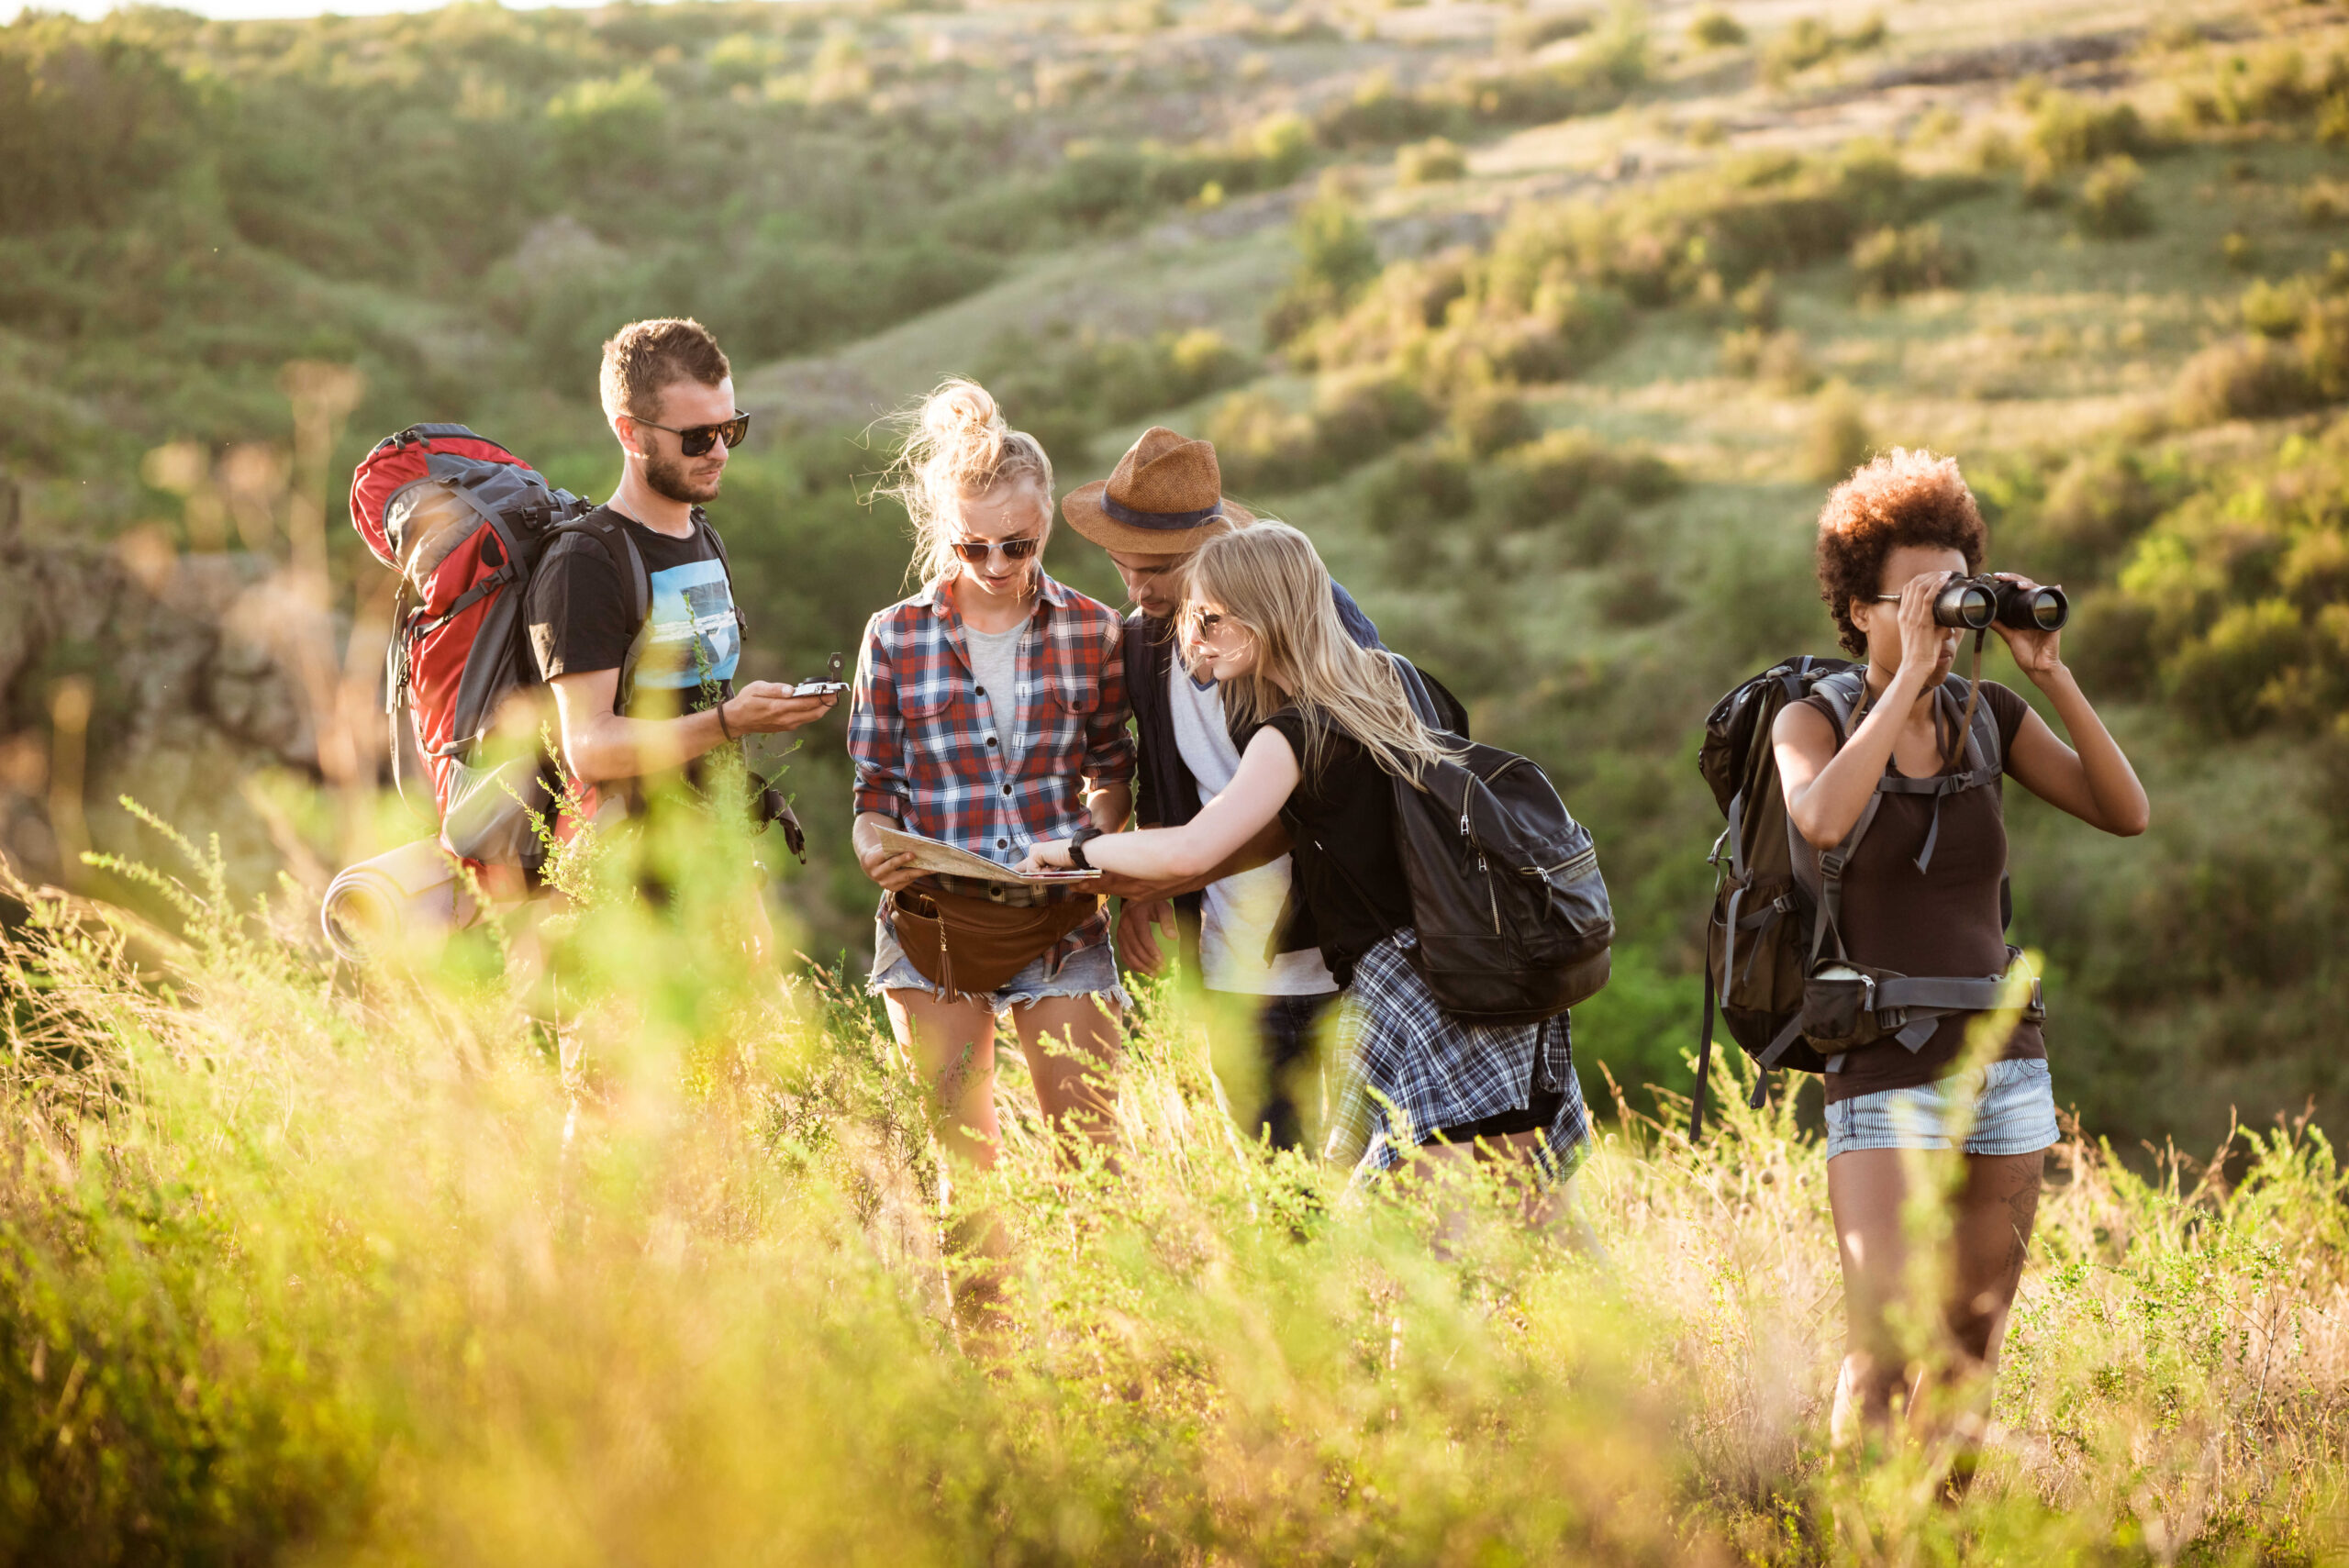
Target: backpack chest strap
1941,788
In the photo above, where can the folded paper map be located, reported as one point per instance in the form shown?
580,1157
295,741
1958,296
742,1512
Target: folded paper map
945,859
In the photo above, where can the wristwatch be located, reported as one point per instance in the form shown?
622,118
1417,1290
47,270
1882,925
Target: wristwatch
1077,842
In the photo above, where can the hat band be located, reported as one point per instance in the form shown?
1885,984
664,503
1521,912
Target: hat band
1159,522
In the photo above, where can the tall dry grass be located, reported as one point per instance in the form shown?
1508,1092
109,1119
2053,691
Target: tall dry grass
297,1263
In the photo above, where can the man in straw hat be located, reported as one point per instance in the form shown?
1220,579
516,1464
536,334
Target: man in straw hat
1161,503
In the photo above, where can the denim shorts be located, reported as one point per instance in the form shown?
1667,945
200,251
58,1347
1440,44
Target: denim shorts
2006,1107
1091,969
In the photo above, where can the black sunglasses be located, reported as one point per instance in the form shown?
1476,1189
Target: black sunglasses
975,550
695,440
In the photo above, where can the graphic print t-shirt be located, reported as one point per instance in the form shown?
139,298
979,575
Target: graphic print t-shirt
580,622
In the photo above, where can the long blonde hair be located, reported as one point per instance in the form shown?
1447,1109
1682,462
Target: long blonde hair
958,445
1269,579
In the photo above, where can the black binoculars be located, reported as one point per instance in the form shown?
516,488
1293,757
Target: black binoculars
1973,603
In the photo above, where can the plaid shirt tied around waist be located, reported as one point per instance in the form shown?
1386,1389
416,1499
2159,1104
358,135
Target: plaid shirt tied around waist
1412,1068
926,748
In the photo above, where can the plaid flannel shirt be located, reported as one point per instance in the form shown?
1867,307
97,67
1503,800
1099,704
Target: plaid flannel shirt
1412,1068
925,749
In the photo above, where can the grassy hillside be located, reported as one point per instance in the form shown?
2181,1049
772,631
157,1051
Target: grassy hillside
1551,323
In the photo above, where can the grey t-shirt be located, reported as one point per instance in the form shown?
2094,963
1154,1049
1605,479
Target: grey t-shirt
995,665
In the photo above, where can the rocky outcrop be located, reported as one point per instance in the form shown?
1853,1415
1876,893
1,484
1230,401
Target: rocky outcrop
127,668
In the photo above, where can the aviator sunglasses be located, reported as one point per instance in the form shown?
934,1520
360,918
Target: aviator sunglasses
975,550
695,440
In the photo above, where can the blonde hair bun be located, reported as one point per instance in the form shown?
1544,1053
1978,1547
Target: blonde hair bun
957,444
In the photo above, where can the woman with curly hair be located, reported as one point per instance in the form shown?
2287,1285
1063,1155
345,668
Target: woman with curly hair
1970,1108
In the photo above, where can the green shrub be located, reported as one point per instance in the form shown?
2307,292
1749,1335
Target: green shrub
2247,378
1416,488
1839,440
1429,163
1716,28
1336,257
2274,82
1380,114
1490,419
1357,416
2325,204
1810,42
1779,361
1064,386
2070,132
90,116
1893,262
1571,484
2112,202
1265,447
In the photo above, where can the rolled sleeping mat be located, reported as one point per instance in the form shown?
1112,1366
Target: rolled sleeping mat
378,904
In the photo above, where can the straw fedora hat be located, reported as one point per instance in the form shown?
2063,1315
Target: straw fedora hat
1164,497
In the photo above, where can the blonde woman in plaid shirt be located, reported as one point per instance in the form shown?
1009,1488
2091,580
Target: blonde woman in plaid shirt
990,711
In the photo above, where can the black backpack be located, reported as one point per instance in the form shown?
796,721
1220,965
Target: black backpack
1511,913
1775,964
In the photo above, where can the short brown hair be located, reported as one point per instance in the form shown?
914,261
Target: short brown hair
644,357
1902,498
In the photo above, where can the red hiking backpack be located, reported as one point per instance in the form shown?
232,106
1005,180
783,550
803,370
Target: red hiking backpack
465,522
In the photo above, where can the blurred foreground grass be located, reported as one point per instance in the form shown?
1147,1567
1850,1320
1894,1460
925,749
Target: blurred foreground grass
303,1265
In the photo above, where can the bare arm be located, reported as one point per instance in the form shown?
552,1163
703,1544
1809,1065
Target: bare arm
1149,905
2096,782
1826,789
1268,774
600,745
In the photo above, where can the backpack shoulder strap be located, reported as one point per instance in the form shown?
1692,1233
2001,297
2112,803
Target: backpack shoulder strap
1841,692
621,552
636,584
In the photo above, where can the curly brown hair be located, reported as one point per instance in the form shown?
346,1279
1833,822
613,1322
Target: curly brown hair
1902,498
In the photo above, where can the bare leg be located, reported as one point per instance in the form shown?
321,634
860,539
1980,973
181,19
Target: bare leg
1070,1043
953,1048
1867,1189
1997,1204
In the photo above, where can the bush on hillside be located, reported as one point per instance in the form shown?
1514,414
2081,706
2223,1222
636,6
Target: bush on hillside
2246,378
1839,440
1264,447
1779,361
1716,28
1417,487
1429,163
1490,419
2113,201
2070,132
1065,386
1335,258
1893,262
2278,81
90,118
1810,41
1571,484
2243,589
2325,204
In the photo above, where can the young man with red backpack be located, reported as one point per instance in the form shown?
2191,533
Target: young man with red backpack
640,693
